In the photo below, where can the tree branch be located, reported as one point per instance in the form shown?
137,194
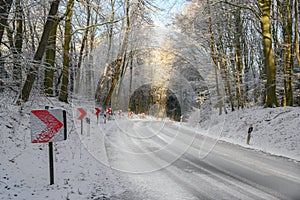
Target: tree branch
238,6
96,25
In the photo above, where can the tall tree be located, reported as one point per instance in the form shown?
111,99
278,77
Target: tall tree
83,45
110,30
50,61
238,59
286,17
18,43
5,6
63,95
38,56
120,56
216,60
265,20
297,45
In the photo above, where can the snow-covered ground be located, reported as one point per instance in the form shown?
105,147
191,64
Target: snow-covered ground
24,172
24,168
275,130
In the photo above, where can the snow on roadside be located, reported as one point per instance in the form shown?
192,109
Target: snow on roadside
24,172
276,130
24,167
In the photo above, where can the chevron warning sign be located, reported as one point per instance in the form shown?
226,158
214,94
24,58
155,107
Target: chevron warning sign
48,125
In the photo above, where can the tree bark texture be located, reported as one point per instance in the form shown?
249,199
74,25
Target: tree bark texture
5,6
50,62
63,95
271,98
18,44
40,52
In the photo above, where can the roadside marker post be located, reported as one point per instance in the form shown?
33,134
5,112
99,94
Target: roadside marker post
81,117
98,111
88,121
120,113
55,130
108,112
130,114
81,124
249,133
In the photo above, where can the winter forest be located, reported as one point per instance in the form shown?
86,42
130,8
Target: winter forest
149,99
112,52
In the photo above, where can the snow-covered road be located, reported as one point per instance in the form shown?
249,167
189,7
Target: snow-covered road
165,160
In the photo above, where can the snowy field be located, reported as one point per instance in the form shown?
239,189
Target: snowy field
78,175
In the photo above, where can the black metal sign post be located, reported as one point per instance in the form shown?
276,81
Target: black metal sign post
51,163
81,127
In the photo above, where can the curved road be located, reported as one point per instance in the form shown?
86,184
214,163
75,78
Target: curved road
169,161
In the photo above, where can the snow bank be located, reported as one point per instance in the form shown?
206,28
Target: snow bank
24,167
276,130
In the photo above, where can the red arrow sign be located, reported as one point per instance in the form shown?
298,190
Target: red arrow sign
97,111
120,112
53,125
83,113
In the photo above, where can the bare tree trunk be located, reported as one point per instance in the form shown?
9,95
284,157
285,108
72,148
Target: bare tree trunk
83,46
63,95
31,32
285,11
271,99
18,44
289,60
122,73
228,84
238,60
40,52
5,6
120,58
90,70
110,39
297,46
50,62
215,59
130,82
296,4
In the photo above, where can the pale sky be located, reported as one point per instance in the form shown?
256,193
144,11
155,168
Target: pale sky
169,7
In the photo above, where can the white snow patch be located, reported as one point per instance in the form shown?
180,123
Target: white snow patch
276,130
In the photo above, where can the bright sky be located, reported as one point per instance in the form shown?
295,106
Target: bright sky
169,7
